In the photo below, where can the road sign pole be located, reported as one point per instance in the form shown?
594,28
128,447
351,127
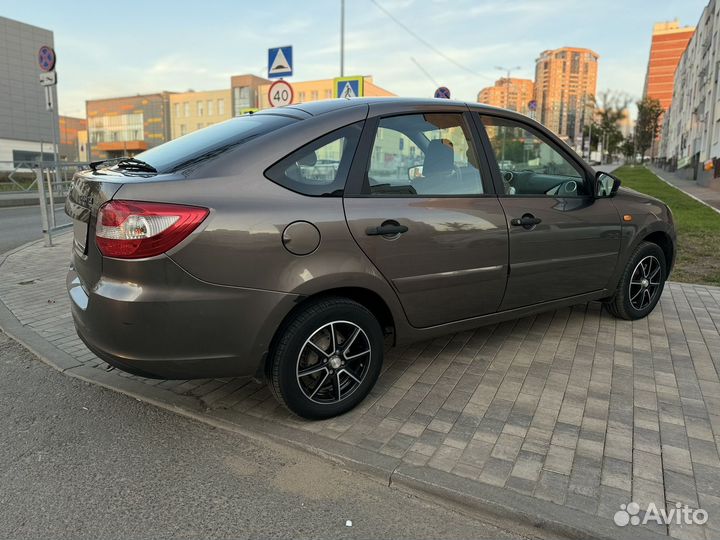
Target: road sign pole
40,181
342,38
54,120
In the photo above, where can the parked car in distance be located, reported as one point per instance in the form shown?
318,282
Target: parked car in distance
292,244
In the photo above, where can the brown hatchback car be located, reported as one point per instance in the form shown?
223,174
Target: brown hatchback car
289,244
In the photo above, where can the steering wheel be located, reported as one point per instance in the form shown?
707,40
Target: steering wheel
508,179
568,188
565,189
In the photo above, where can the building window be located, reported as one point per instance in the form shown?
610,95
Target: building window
210,107
200,125
242,99
221,106
200,107
186,107
177,110
301,97
123,127
314,95
183,129
328,94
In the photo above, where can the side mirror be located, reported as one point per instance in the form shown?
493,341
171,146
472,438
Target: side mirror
415,172
606,185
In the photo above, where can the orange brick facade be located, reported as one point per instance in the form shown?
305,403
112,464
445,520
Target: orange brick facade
514,94
69,128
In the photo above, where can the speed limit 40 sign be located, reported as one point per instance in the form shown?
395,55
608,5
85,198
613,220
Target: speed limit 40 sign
280,93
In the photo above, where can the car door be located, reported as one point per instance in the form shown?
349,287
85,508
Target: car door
563,241
420,204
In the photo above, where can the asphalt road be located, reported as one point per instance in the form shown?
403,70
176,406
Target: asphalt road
79,461
22,224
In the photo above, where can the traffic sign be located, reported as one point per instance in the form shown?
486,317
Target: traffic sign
47,58
48,78
532,104
443,92
280,62
349,87
280,94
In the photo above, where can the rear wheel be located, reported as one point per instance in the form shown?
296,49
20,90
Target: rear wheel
327,358
641,284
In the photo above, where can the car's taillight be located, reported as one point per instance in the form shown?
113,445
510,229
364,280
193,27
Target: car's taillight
135,229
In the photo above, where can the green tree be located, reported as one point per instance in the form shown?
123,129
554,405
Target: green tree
628,148
646,128
609,109
612,109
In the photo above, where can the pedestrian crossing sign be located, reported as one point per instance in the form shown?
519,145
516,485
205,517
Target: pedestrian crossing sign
349,87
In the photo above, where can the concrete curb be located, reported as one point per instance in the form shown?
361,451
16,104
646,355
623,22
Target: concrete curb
504,503
494,504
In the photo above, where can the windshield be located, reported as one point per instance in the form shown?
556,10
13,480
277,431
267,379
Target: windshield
211,141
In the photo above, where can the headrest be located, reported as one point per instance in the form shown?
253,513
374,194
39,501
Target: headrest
439,158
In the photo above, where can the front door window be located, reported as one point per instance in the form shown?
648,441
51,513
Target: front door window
529,165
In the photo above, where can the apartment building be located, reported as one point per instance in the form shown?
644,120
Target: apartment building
190,111
565,85
691,128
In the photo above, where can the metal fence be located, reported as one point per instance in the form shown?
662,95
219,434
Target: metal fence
41,180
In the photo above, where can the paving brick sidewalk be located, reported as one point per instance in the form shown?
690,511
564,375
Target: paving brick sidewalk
571,409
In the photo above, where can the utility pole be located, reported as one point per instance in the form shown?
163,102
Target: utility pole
508,71
342,38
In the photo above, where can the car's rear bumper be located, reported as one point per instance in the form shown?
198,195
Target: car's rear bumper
179,328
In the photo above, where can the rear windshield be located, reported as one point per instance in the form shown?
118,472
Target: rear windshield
211,141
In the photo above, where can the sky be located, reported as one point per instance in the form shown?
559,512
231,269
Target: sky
125,48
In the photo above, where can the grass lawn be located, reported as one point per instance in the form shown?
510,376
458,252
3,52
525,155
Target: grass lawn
698,227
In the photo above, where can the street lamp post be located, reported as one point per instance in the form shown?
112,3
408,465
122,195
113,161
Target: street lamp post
508,71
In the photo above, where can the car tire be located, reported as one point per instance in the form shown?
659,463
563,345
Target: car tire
318,369
641,284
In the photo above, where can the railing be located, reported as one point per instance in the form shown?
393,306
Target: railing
41,180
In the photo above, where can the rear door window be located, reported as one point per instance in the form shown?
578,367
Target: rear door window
424,155
319,168
211,141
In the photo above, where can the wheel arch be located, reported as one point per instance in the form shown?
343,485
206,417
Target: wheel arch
366,297
665,242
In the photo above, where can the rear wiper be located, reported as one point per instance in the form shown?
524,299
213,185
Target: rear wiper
94,165
135,164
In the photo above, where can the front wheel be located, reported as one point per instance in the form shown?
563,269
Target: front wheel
327,358
641,284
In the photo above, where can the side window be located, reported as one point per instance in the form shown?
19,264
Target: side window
530,165
423,155
319,168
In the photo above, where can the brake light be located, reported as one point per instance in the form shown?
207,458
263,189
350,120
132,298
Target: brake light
134,229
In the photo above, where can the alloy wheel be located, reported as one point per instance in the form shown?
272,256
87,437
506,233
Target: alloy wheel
333,362
645,282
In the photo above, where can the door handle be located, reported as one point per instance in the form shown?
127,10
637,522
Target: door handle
528,221
388,228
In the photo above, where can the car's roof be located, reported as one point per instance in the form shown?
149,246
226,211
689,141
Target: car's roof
316,108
